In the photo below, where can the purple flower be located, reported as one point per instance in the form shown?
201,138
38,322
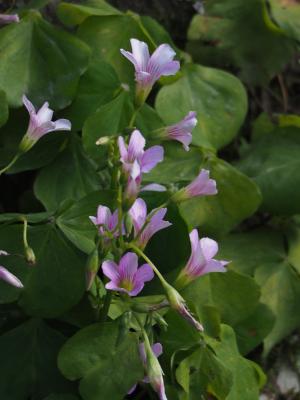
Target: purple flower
201,261
40,124
182,130
156,222
157,351
8,19
149,69
135,159
105,220
200,186
127,277
8,277
153,187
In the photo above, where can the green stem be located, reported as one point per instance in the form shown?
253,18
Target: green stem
10,164
25,233
106,304
132,120
120,216
148,261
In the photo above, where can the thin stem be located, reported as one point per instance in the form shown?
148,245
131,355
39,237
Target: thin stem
284,92
106,304
120,216
148,261
25,232
132,120
10,164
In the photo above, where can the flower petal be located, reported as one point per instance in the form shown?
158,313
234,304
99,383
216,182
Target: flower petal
157,349
154,187
163,55
151,157
140,53
213,266
10,278
111,270
138,213
144,273
138,287
103,215
62,125
45,113
9,18
128,266
209,248
122,149
136,145
27,103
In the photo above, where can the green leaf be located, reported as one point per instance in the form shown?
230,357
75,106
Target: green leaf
74,14
56,282
246,382
3,108
273,162
238,197
30,370
75,223
96,87
243,35
262,252
236,296
286,14
107,35
218,98
107,370
210,372
41,61
70,176
110,119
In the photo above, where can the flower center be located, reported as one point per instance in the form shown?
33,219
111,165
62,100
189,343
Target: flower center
126,284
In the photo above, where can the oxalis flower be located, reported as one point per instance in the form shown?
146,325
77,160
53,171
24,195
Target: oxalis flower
135,160
10,278
126,277
155,223
149,69
8,18
40,124
200,186
157,351
182,131
201,261
106,221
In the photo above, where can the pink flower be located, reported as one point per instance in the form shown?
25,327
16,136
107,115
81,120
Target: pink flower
202,185
8,277
149,69
138,214
135,159
126,277
182,130
8,19
105,220
40,124
201,261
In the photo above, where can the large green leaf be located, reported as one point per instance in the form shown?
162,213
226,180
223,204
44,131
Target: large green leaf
243,34
247,376
96,87
109,119
75,222
287,15
218,98
273,162
30,353
70,176
56,282
40,60
3,108
74,14
238,197
107,370
262,253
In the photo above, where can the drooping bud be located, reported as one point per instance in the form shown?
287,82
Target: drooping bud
29,255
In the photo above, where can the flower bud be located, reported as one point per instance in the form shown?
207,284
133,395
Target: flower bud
29,255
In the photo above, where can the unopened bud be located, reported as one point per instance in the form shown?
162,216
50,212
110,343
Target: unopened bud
103,140
29,255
